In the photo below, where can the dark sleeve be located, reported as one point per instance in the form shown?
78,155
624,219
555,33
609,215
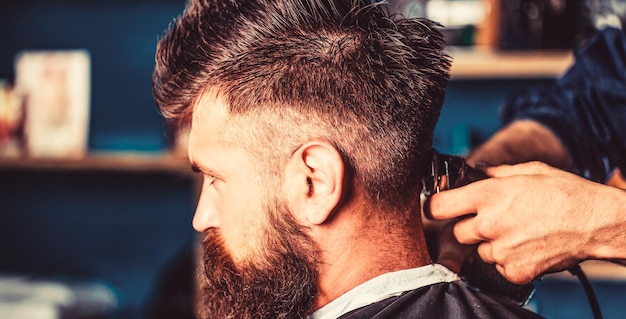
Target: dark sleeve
443,300
586,108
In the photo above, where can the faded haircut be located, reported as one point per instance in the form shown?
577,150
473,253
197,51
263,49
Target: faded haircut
348,72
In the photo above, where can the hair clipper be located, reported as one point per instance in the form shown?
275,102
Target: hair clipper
447,172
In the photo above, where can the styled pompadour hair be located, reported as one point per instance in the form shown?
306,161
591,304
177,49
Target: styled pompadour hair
348,72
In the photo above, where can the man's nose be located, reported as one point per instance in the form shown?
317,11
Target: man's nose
206,215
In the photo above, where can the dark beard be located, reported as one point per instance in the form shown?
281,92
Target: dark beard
283,287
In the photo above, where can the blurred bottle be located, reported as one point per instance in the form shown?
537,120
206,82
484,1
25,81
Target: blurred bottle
541,24
11,122
607,13
554,24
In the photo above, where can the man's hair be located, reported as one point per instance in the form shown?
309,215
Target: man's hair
347,72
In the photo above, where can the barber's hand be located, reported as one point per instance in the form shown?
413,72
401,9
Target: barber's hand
531,219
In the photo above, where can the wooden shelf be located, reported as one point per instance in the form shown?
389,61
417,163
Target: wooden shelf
468,63
483,63
127,162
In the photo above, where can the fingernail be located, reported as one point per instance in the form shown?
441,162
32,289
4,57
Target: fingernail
426,208
482,165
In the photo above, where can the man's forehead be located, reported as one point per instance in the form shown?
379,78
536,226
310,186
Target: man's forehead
209,107
208,119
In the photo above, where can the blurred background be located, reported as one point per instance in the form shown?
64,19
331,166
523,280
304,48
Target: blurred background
96,197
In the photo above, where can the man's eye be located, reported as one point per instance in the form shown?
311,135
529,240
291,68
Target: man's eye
210,179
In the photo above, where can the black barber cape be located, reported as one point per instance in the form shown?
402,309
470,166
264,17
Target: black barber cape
441,300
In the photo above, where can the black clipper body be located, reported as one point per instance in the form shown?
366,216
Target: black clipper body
447,172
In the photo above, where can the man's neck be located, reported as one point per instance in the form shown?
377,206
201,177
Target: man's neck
353,253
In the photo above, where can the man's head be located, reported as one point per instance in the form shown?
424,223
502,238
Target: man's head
301,112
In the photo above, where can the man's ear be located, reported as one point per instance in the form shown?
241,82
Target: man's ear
314,182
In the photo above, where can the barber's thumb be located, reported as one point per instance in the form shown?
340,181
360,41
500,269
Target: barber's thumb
435,207
528,168
452,203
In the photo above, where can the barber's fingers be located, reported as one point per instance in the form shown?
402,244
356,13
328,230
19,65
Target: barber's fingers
467,231
529,168
455,202
485,251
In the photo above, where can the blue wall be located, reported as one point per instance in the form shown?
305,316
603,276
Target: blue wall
470,112
121,37
125,230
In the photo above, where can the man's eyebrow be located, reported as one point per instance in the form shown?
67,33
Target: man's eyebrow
198,168
195,168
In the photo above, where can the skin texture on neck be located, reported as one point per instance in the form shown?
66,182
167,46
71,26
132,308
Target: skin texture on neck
355,250
358,238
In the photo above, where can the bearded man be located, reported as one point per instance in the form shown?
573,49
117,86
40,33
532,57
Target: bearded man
310,121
